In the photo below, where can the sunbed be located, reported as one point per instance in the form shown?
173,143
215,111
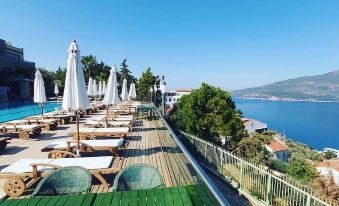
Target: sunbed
62,118
49,124
111,145
24,173
93,133
23,130
110,123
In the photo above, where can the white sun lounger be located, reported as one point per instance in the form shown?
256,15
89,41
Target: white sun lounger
34,169
92,133
111,145
22,129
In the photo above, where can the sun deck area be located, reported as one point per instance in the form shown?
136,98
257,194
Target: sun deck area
149,142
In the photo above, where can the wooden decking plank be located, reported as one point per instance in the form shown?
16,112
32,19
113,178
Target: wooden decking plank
99,199
142,198
176,197
116,198
185,197
168,197
133,198
125,198
108,199
159,197
193,195
89,199
150,197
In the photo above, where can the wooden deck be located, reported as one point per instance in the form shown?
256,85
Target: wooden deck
151,143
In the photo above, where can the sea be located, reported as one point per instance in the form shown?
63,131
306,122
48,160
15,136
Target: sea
313,123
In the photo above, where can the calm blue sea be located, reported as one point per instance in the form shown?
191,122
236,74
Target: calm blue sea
313,123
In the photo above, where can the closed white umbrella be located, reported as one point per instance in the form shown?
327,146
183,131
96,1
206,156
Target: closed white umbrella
111,94
95,88
90,87
100,89
104,88
39,91
56,89
75,97
124,92
132,92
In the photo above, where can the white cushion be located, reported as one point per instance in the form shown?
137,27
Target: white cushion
62,144
24,165
86,162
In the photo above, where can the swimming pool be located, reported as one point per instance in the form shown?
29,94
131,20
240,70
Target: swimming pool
16,110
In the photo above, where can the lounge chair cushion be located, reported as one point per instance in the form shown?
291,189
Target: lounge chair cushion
62,144
24,165
24,126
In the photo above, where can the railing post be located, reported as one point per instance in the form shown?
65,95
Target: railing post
221,169
308,201
268,188
241,173
205,150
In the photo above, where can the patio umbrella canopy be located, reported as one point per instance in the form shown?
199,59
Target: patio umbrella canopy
56,89
104,88
124,92
100,89
39,91
132,92
111,94
75,97
95,88
90,87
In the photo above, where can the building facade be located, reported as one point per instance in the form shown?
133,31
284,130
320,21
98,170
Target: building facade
17,74
278,149
173,97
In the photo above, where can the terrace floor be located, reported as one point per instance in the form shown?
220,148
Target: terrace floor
149,143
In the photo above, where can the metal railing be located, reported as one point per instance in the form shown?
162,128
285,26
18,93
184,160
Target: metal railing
252,180
203,178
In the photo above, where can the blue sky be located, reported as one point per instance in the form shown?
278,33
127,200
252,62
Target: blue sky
231,44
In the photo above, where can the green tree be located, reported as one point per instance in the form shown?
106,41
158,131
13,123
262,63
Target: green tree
146,81
60,74
125,73
102,72
209,113
253,149
329,155
301,170
89,63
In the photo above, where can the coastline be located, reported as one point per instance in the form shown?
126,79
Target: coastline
285,99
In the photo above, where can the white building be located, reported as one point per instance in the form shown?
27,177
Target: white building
278,149
173,97
254,126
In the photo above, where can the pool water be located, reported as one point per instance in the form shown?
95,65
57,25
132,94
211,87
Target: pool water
17,110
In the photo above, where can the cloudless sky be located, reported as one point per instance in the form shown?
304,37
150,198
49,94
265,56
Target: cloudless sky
231,44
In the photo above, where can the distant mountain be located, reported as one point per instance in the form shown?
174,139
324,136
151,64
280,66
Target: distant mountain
311,88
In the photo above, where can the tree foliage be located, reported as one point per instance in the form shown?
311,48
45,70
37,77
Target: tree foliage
125,73
253,149
89,63
301,170
146,81
209,113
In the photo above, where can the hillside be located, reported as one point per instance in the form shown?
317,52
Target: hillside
313,88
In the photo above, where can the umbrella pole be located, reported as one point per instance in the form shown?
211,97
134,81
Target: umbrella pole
78,136
42,110
106,121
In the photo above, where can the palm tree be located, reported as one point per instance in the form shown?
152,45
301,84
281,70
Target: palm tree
89,63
